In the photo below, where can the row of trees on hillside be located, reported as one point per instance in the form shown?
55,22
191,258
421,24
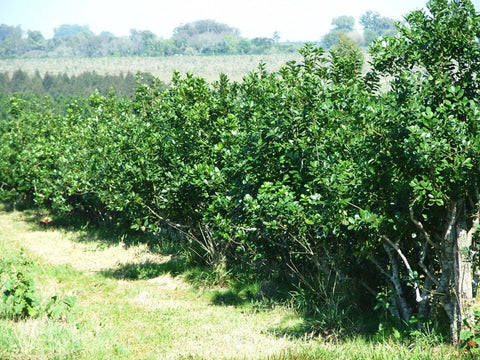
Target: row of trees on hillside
203,37
57,86
293,176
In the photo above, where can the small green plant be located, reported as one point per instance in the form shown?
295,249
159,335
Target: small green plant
382,306
19,298
59,308
470,339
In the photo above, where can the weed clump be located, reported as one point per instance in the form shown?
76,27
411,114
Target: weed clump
19,299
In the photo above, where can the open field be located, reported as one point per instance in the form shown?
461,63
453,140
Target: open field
160,317
209,67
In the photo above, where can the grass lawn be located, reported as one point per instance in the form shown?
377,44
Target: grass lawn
154,317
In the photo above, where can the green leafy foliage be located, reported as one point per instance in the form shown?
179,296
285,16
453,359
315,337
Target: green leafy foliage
287,176
59,308
469,338
19,298
19,295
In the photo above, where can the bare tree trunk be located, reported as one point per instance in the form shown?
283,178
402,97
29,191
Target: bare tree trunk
404,310
425,307
457,264
463,270
453,283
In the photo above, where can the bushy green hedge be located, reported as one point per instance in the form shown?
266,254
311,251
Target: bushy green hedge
241,170
316,169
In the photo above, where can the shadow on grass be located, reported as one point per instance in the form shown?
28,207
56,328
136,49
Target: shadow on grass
146,270
105,234
222,289
227,298
308,329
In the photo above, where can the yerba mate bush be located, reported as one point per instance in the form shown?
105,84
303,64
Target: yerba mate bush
294,175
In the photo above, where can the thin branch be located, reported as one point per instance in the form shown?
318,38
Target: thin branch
300,275
305,245
207,244
404,309
247,229
368,288
420,227
424,267
429,241
375,262
418,296
355,206
170,223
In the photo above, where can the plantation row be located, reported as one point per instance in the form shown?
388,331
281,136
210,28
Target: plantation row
290,176
61,87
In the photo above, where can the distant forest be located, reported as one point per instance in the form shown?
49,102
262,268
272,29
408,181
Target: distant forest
202,37
60,86
60,91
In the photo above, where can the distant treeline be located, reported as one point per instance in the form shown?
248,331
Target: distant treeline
203,37
59,86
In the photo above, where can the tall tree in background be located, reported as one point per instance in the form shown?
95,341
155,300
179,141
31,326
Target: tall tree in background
143,42
340,25
10,32
375,25
67,30
204,36
343,23
35,40
11,40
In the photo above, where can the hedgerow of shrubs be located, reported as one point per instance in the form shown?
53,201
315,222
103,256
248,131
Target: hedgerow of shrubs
292,176
235,168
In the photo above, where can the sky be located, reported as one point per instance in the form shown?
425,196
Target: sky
294,20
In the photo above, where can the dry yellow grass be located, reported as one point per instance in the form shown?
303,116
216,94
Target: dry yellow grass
209,67
59,248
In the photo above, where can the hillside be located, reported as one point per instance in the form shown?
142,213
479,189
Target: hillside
208,67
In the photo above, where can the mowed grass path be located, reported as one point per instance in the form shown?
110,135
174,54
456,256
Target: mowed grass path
163,317
159,318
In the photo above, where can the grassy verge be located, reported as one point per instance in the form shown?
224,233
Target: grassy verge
154,317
